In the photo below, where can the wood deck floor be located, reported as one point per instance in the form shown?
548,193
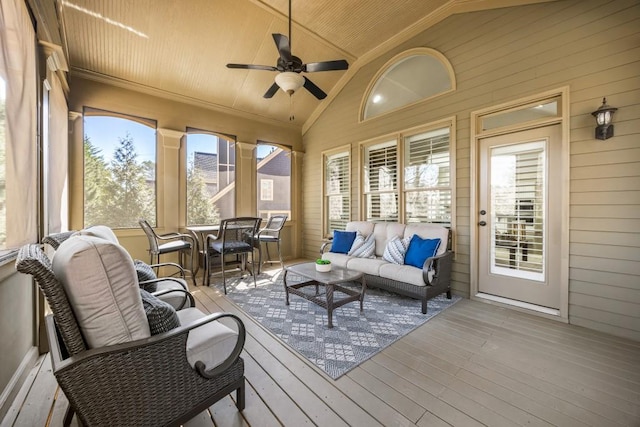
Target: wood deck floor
474,364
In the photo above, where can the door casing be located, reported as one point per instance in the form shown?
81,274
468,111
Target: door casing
562,314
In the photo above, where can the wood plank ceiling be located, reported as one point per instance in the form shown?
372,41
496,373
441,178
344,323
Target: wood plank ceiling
179,49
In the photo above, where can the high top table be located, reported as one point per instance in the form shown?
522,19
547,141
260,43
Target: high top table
331,282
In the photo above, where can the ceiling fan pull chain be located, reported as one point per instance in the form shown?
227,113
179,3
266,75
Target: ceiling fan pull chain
291,116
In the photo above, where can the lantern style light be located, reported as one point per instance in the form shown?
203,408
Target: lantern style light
603,116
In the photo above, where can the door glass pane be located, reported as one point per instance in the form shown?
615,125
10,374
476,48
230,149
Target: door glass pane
518,210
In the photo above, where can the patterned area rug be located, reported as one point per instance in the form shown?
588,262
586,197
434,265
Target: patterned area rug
355,336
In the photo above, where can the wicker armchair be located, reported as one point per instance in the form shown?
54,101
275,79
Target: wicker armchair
172,288
146,382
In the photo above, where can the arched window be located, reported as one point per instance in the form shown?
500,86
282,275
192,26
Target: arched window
119,169
412,76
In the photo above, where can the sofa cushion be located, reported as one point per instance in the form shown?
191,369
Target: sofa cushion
101,283
342,241
396,249
363,247
385,231
339,260
366,265
161,316
145,273
402,273
210,343
364,227
419,250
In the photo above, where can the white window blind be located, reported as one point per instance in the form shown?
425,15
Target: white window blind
427,177
380,182
337,192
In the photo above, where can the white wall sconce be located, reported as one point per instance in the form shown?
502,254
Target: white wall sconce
603,116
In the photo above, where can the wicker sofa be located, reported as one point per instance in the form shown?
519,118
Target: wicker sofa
423,283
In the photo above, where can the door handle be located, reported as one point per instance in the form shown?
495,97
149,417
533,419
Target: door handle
482,223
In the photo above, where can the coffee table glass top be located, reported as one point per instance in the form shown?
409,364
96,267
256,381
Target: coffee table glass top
336,275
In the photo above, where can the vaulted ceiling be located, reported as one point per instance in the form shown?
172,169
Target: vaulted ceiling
179,49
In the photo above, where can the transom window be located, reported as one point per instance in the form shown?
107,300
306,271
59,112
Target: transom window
410,77
211,172
119,169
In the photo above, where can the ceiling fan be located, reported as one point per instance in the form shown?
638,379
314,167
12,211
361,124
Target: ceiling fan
289,67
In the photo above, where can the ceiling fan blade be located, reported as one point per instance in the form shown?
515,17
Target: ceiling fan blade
282,43
339,64
271,91
252,67
315,90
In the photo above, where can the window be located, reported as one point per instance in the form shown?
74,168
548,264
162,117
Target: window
423,167
410,77
266,190
18,118
381,181
427,183
273,171
119,169
211,173
337,191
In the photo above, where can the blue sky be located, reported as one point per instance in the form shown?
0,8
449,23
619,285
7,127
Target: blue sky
104,132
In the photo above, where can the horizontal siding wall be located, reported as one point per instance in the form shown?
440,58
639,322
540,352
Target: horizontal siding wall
593,47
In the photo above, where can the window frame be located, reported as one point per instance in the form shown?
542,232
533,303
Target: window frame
338,152
232,147
391,64
288,151
399,138
380,143
151,123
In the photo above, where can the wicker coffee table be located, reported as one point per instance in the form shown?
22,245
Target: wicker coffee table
331,282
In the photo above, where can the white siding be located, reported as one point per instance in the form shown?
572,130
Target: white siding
502,55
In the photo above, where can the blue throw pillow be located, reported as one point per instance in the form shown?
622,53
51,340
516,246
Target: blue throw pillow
342,241
419,250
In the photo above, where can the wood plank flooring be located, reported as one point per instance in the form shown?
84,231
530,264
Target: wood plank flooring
474,364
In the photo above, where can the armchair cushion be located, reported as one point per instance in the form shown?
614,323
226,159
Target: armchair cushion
420,249
342,241
145,272
161,316
210,343
101,231
100,282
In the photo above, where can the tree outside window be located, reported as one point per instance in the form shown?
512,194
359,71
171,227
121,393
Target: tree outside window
210,177
119,170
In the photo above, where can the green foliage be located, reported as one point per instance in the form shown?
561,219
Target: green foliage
200,209
118,194
323,261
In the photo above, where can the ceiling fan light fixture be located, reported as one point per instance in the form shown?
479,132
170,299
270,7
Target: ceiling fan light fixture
289,81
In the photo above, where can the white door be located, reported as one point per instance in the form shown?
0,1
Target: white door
519,226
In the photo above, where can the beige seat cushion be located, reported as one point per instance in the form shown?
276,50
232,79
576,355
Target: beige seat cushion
101,231
101,284
402,273
210,343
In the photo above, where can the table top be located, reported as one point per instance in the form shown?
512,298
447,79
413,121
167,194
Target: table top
203,228
335,276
